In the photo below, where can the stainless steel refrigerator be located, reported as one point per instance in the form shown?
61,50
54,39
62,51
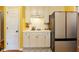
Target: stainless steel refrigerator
64,31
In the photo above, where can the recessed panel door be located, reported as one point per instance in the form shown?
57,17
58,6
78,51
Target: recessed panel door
12,28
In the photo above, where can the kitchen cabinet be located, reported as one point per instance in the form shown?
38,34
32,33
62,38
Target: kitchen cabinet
27,14
36,39
26,39
37,11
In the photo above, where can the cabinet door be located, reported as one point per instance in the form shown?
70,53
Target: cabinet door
47,39
34,11
46,14
37,39
26,39
33,40
41,39
27,14
60,25
71,24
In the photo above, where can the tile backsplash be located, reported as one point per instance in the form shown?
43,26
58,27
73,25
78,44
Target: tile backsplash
38,24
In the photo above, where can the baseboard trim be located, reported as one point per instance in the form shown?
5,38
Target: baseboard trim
13,49
21,49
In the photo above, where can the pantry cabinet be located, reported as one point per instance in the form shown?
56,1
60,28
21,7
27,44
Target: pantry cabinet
36,39
37,11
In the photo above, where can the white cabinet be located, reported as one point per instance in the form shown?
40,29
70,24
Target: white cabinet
27,14
40,11
37,39
26,39
47,39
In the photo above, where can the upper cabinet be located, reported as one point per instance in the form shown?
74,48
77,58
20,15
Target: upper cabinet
37,11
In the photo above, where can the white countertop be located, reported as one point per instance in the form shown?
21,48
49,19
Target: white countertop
37,31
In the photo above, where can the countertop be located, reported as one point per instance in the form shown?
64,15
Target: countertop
37,31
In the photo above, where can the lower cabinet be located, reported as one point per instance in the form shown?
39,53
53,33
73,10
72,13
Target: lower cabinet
37,39
26,41
65,46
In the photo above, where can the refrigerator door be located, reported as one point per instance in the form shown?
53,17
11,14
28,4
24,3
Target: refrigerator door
59,25
71,24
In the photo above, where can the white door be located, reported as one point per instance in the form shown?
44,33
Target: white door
12,28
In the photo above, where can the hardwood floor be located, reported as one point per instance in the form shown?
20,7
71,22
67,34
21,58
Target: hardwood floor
30,50
1,45
12,51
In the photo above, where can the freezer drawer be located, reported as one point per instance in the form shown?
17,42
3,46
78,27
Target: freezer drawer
65,46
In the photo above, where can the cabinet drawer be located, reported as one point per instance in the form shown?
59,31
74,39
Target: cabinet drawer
36,35
47,39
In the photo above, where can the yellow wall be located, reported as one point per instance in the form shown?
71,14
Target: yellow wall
69,8
21,27
23,18
22,24
1,8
